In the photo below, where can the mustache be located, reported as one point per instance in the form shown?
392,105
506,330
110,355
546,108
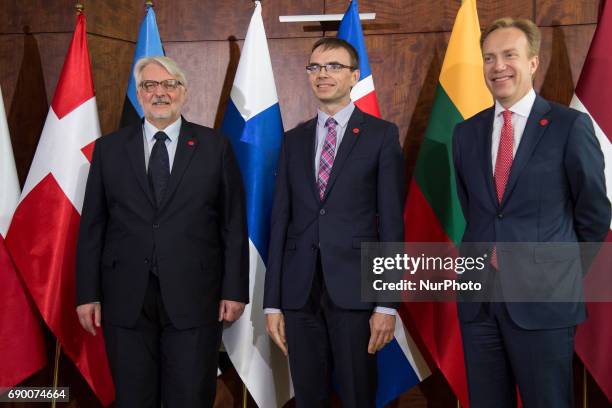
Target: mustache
160,100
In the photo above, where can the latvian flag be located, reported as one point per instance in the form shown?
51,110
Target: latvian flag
400,364
594,96
253,123
148,44
43,233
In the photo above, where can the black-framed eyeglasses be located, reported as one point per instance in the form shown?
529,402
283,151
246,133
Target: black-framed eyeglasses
167,84
331,67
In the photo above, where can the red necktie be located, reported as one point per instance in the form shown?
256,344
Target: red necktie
327,156
503,163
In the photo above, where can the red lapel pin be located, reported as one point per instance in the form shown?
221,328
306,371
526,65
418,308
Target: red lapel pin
191,142
356,130
543,122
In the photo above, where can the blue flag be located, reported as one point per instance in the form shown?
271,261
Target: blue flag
148,44
253,123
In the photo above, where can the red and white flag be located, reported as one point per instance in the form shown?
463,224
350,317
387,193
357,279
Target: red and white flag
22,347
594,96
43,234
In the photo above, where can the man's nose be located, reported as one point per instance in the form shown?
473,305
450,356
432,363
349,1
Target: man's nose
322,73
499,65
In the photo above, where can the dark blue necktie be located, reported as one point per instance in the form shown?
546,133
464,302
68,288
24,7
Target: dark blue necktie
159,167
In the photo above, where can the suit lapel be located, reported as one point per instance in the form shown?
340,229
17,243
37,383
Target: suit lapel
134,145
348,142
187,143
485,133
531,136
309,146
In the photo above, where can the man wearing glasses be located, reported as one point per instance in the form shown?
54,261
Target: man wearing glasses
162,255
340,183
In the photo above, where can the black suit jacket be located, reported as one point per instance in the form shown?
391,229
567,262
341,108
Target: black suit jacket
198,233
363,203
556,193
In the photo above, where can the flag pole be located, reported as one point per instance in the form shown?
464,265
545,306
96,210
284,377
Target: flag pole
244,395
148,3
584,386
58,350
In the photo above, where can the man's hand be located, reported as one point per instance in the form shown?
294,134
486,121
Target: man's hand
90,316
230,310
276,330
382,327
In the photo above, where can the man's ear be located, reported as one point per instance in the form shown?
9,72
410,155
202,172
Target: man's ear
534,63
355,76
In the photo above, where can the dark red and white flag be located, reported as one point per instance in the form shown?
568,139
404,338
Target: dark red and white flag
22,348
594,96
43,233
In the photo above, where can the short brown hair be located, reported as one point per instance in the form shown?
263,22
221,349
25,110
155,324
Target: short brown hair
330,43
528,27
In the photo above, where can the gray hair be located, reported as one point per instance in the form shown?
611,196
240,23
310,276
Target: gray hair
167,63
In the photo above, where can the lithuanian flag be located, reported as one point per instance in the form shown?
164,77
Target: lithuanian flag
433,212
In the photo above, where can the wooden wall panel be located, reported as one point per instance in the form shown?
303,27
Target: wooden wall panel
563,53
25,96
400,16
409,92
111,61
566,12
219,20
206,65
115,18
490,10
39,15
289,59
11,54
53,49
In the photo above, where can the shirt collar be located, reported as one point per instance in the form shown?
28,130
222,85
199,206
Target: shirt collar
172,130
522,107
342,116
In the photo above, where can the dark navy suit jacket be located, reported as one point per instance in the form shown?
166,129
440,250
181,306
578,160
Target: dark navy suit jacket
363,203
198,233
555,194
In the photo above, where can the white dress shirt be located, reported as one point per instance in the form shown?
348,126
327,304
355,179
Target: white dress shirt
172,131
520,113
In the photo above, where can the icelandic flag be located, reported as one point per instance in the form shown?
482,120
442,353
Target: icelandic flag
148,44
363,93
253,123
400,364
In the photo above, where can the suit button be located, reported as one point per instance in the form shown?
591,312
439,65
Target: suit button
146,260
155,226
322,211
500,216
314,247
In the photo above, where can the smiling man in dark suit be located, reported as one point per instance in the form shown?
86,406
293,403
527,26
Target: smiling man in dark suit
162,254
528,171
340,183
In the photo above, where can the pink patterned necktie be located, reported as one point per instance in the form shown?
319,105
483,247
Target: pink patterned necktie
327,156
503,163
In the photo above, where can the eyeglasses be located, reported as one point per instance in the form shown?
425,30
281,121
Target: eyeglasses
167,84
334,67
